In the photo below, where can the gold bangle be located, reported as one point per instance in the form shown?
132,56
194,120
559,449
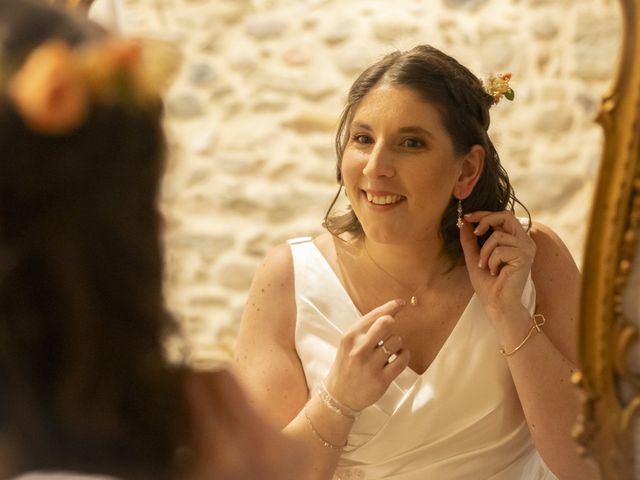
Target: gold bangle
538,321
317,435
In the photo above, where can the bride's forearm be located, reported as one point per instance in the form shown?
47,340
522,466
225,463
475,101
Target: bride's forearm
542,377
324,432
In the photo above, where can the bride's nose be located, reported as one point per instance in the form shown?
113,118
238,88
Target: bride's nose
379,162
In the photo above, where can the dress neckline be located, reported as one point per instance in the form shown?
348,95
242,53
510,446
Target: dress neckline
408,375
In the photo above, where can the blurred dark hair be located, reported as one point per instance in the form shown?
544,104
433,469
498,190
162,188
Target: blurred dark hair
463,105
84,383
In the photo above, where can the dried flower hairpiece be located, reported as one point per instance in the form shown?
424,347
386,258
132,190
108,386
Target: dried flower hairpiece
497,85
55,86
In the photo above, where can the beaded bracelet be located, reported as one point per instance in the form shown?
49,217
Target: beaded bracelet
334,405
317,435
538,321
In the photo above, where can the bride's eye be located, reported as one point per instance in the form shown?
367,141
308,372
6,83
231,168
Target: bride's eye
412,143
361,138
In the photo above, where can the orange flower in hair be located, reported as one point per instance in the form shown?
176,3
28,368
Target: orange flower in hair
53,89
114,72
49,90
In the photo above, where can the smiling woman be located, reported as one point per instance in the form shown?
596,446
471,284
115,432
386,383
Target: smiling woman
367,342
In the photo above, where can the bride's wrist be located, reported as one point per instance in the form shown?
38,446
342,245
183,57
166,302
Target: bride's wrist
333,404
504,313
511,324
332,387
328,428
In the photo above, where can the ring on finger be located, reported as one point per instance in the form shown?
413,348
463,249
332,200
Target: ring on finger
384,348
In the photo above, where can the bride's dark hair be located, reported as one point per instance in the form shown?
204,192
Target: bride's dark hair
84,383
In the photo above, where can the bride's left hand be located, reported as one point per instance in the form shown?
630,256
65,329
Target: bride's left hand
499,270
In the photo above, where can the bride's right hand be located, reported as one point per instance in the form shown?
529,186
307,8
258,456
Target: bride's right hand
362,371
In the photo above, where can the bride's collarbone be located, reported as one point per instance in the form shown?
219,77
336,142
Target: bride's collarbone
435,307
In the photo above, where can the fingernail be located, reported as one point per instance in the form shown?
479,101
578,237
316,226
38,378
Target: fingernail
476,231
480,264
467,215
401,301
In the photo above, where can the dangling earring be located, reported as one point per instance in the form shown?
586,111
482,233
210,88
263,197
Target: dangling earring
459,223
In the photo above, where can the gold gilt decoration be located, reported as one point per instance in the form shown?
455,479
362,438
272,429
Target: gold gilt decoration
610,391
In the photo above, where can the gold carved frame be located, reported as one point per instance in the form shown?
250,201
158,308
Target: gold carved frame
605,425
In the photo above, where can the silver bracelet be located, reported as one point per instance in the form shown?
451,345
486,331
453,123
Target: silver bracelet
334,405
317,435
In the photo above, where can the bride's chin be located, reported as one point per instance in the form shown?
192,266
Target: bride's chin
383,235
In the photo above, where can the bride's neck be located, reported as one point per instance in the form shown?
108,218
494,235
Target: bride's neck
415,262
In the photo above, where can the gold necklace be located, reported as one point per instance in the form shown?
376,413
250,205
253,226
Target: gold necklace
413,301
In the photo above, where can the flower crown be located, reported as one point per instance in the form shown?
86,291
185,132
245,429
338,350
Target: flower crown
497,85
53,89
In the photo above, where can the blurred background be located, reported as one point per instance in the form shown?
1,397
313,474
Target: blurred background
252,114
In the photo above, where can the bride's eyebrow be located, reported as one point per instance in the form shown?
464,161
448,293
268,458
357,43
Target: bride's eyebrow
416,130
361,126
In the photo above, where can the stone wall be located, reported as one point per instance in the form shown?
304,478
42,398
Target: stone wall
252,115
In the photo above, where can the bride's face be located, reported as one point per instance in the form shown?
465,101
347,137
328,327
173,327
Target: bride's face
399,166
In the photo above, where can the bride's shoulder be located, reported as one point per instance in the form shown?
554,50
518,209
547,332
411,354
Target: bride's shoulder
333,247
549,245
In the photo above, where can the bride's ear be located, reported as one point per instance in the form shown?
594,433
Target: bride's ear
471,168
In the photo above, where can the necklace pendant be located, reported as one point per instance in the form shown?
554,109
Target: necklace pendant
413,301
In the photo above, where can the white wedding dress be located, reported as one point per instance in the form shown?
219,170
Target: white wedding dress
461,419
